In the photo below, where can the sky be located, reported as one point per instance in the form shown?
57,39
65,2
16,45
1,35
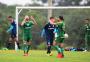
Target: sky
21,2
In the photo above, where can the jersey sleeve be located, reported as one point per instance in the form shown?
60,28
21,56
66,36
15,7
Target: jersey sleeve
45,27
11,27
63,27
32,23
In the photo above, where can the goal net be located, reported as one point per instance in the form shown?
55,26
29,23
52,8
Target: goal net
74,17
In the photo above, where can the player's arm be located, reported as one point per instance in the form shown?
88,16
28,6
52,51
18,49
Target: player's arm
11,27
34,21
63,28
43,33
23,22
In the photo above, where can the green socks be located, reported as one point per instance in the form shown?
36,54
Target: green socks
26,48
59,49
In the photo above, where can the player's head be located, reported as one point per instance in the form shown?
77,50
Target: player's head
60,18
10,18
27,18
86,21
52,19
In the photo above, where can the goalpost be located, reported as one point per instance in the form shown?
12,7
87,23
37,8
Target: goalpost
19,9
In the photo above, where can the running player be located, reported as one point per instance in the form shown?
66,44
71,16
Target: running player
12,31
27,24
59,36
49,34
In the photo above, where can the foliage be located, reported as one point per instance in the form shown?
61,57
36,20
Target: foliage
73,20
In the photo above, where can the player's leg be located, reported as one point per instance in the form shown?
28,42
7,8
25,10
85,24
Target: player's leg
49,44
48,47
29,42
61,44
56,46
28,46
17,42
61,49
88,42
25,45
10,43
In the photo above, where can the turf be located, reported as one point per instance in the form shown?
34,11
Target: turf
40,56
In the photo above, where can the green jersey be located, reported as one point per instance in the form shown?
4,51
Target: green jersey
87,29
27,30
60,32
60,28
87,36
27,26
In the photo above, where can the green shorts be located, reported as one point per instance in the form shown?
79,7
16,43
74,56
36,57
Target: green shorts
60,38
27,37
88,39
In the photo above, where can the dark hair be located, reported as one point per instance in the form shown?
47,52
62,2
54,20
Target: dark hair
51,17
61,17
87,19
10,17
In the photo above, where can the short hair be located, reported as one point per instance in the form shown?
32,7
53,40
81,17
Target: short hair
61,17
87,19
10,17
26,16
51,17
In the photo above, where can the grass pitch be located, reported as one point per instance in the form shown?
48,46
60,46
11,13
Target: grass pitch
40,56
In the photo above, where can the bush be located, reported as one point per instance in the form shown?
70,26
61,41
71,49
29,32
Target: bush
42,46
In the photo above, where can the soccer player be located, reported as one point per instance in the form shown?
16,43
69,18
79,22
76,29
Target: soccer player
12,30
87,34
59,36
27,24
49,34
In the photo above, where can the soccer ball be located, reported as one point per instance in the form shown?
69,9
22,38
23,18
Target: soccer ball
65,35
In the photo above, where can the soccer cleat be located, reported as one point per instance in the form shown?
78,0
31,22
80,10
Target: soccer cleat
26,54
50,54
60,55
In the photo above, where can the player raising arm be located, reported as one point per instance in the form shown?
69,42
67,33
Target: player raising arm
27,24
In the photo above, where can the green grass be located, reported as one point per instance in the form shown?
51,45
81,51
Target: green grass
40,56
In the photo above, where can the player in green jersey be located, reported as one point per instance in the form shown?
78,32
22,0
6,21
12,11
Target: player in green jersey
27,24
87,34
59,36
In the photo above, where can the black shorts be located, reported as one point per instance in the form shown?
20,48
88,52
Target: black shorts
13,35
49,41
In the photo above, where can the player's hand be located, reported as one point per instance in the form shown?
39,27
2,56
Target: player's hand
32,17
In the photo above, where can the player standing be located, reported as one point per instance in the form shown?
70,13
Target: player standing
59,36
87,34
49,34
27,24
